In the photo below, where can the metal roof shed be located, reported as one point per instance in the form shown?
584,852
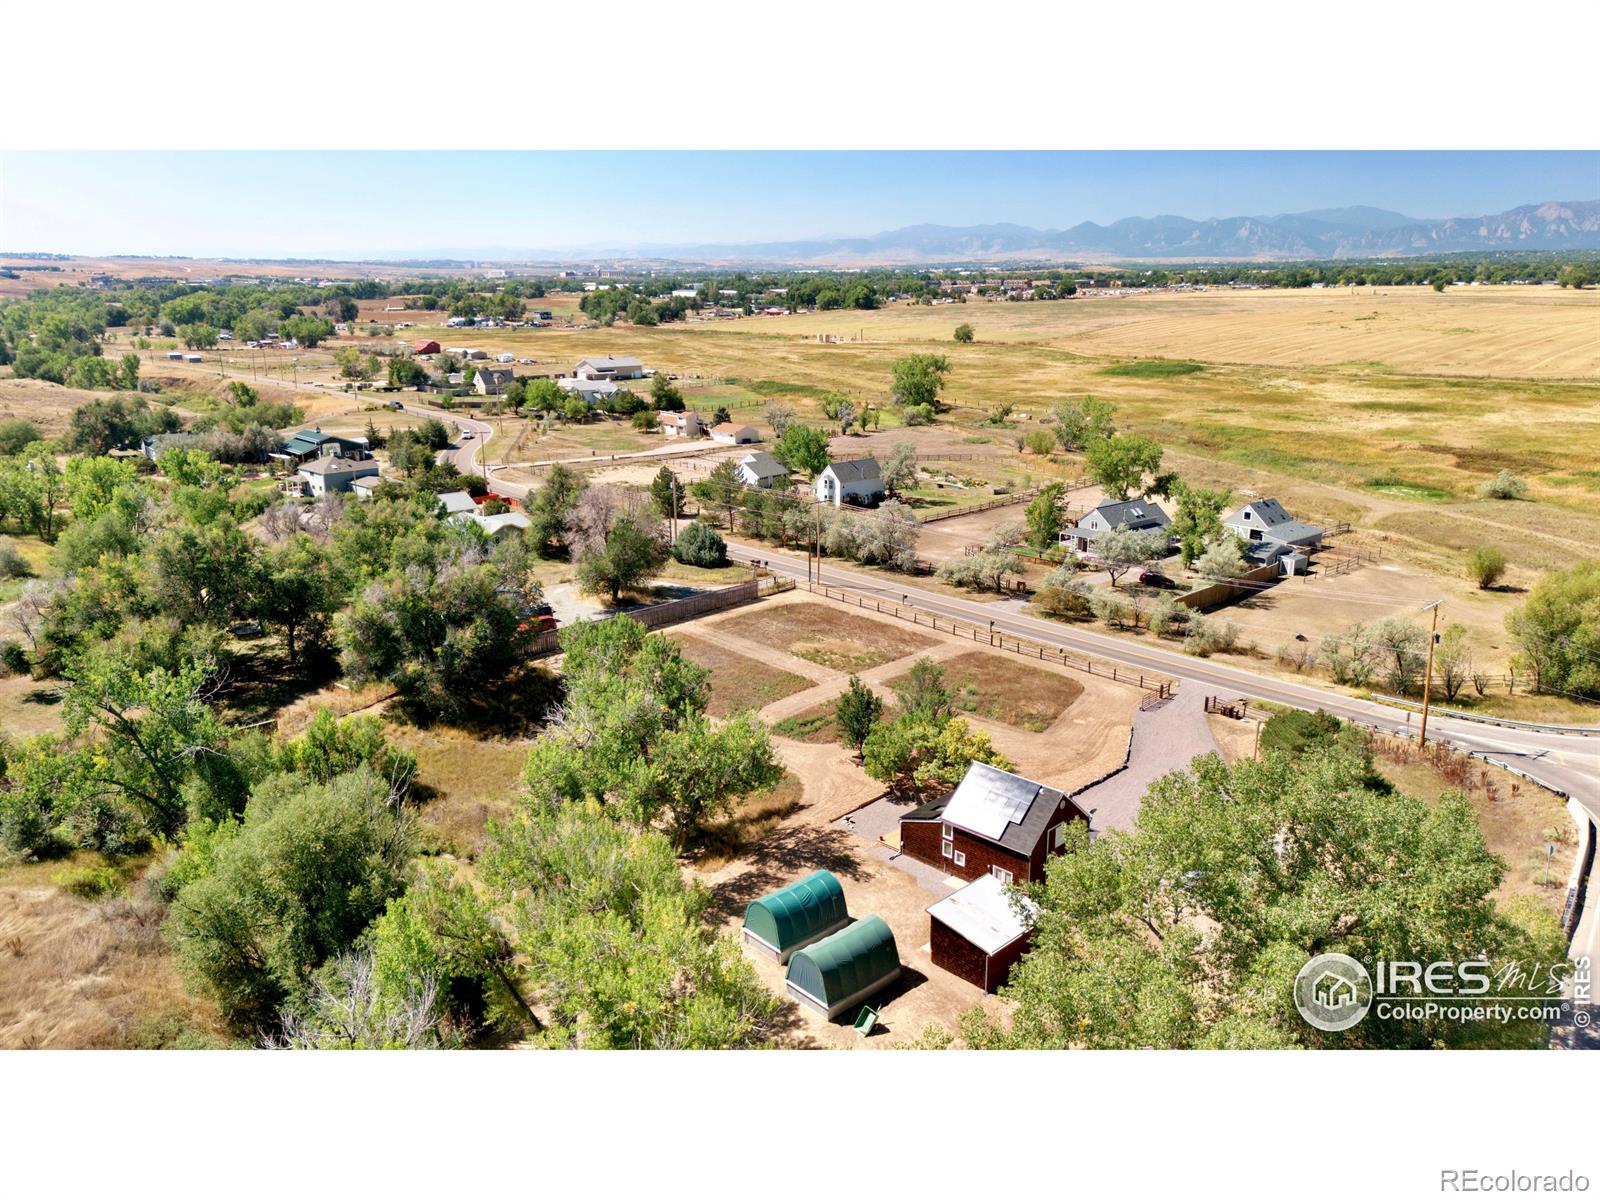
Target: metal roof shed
845,968
804,912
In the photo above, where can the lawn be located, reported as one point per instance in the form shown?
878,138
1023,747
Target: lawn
812,725
834,638
752,818
738,682
1007,690
462,782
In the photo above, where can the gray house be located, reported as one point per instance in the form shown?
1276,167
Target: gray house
855,481
610,366
591,391
1143,515
761,470
333,474
1268,530
491,381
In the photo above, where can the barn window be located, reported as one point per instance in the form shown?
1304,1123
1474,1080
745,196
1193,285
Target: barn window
1001,874
960,858
947,847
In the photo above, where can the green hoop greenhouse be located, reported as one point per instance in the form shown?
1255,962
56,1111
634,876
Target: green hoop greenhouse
795,916
845,968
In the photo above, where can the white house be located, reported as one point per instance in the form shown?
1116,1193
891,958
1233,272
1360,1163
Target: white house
1267,528
491,381
334,474
855,481
761,470
681,424
609,366
734,434
495,526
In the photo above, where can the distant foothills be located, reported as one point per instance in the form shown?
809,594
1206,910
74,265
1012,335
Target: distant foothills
1332,234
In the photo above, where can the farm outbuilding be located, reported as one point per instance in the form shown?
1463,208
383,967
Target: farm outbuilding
845,968
804,912
978,933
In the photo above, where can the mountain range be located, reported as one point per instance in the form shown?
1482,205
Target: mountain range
1354,232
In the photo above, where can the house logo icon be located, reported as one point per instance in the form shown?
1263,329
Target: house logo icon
1333,992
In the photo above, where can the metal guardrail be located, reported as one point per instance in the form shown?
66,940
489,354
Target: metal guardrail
1505,722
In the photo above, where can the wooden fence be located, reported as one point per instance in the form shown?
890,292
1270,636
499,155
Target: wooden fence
671,612
1219,593
1157,685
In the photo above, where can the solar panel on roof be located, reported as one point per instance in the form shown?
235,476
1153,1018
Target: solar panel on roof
987,800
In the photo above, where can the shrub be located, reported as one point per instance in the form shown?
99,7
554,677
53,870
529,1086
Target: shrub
918,414
12,564
1039,441
13,659
1166,616
699,545
1115,611
1504,486
1485,566
1209,635
91,883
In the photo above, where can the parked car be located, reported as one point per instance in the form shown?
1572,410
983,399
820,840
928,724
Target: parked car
468,436
542,619
1155,579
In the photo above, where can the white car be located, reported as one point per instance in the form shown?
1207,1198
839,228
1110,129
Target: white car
468,436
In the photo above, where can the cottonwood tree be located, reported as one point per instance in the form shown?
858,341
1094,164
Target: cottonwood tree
1292,856
1127,465
1558,629
1080,422
918,379
1197,518
1043,516
898,470
802,448
856,712
630,554
1122,549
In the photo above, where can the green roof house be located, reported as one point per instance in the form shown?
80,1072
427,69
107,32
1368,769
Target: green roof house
845,968
802,913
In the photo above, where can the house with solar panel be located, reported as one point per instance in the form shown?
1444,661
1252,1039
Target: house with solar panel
994,823
1143,515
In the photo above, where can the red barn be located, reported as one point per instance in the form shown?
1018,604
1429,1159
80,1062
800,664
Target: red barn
425,346
994,823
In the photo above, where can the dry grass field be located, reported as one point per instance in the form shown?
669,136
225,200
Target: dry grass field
738,682
1011,692
837,639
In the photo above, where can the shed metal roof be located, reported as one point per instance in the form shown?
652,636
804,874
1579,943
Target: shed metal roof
983,913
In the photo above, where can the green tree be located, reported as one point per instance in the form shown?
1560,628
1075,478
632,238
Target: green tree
1079,423
1223,559
297,883
551,506
441,643
1120,959
616,939
1043,516
1558,629
856,712
300,588
1122,549
917,757
918,379
1197,519
308,331
667,494
406,372
664,395
802,448
630,555
1485,566
899,469
964,334
1127,465
699,545
198,336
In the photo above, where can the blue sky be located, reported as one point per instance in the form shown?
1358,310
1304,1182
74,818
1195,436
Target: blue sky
357,203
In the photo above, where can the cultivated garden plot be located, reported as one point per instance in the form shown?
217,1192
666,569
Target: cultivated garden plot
835,638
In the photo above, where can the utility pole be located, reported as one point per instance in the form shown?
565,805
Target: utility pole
1427,679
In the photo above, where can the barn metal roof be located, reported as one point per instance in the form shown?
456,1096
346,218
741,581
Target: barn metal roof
983,914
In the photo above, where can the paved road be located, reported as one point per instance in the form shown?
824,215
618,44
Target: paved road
1567,763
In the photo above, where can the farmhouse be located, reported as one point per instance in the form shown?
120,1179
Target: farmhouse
611,366
681,424
333,474
761,470
590,391
994,823
491,381
1269,530
845,968
978,933
782,922
1143,515
734,435
854,481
